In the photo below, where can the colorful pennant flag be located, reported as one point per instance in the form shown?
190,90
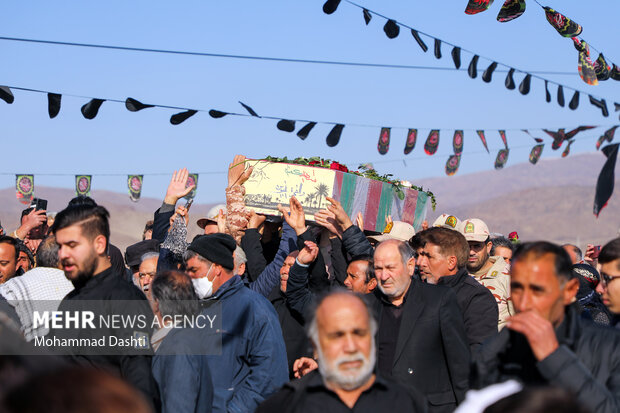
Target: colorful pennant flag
24,185
452,165
502,134
565,26
585,66
502,158
82,185
134,184
384,141
607,136
567,149
477,6
535,153
605,182
601,68
483,139
511,10
432,142
412,136
457,142
192,179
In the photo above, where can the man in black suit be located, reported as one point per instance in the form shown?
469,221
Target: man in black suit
421,340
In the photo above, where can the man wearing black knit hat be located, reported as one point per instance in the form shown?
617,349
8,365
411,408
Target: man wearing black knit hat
252,364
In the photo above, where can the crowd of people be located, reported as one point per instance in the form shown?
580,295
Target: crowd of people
305,316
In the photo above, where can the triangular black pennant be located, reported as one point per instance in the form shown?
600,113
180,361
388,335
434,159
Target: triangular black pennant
182,116
391,29
510,82
560,95
438,48
133,105
574,102
334,135
456,56
547,94
367,16
303,132
601,104
249,109
488,74
91,109
418,39
605,182
216,114
286,125
472,70
53,104
6,94
330,6
524,87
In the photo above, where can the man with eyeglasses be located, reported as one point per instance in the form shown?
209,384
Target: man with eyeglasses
609,261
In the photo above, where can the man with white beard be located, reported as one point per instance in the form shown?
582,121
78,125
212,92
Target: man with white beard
342,333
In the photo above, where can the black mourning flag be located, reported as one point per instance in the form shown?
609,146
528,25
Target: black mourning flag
286,125
133,105
560,95
438,48
334,135
330,6
605,183
524,87
179,118
418,39
601,104
216,114
53,104
367,16
91,109
488,74
6,94
574,102
249,109
510,82
303,132
472,70
391,29
547,94
456,56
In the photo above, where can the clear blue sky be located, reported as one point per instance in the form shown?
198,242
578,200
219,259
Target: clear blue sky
120,142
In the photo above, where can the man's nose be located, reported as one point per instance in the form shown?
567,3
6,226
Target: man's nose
350,345
600,288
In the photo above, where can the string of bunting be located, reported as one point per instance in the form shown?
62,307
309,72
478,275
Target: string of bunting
589,71
91,109
392,30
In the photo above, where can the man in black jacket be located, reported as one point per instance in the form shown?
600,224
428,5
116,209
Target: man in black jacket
342,330
421,340
82,233
443,261
547,342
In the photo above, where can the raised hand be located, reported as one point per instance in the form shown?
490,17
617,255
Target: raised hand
294,215
176,187
327,220
303,366
539,332
308,253
237,174
341,216
359,221
256,220
31,221
221,221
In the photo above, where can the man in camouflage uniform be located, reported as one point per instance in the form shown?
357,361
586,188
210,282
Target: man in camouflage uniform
492,272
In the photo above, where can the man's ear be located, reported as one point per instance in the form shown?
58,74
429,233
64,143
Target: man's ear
489,247
452,263
570,291
101,245
372,284
411,266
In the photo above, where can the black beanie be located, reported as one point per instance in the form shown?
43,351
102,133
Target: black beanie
217,248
